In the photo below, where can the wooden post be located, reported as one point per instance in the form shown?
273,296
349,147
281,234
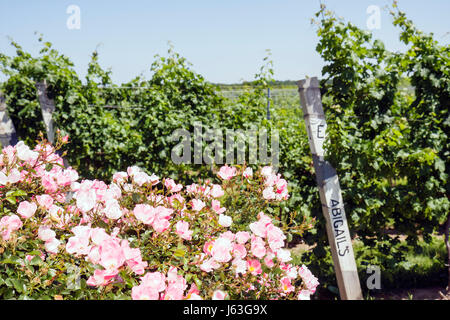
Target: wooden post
8,134
47,107
330,193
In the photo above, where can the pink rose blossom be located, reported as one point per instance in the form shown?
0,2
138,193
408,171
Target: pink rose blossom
248,172
217,191
133,170
154,280
160,224
221,250
209,265
112,209
284,255
137,265
141,178
304,295
163,212
240,266
172,186
133,258
242,237
45,201
266,171
268,193
270,180
94,254
120,177
26,209
264,218
3,178
66,177
76,245
10,153
192,188
9,224
182,229
215,205
225,221
49,183
219,295
309,279
258,228
197,205
254,267
228,235
24,153
144,213
286,286
82,231
86,199
13,177
176,285
292,272
281,186
98,235
258,247
268,259
275,237
176,197
193,293
193,289
207,247
111,255
56,212
101,277
173,292
239,250
52,245
144,293
45,233
226,172
5,233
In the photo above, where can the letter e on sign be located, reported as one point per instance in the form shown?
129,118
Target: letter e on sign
320,131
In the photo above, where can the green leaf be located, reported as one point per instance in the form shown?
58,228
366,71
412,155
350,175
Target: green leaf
179,253
16,193
19,285
11,200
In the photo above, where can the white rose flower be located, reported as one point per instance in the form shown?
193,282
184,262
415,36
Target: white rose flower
225,221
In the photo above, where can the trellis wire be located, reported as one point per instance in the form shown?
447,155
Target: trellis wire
272,95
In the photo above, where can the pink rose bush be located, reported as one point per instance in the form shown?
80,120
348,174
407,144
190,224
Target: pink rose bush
142,236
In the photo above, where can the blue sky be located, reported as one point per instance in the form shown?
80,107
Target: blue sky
224,40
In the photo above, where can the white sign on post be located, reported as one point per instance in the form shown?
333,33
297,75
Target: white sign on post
330,193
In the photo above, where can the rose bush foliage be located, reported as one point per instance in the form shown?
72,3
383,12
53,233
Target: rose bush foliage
141,237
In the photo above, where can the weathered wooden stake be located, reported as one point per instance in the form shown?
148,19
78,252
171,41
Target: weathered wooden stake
47,107
330,193
8,134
